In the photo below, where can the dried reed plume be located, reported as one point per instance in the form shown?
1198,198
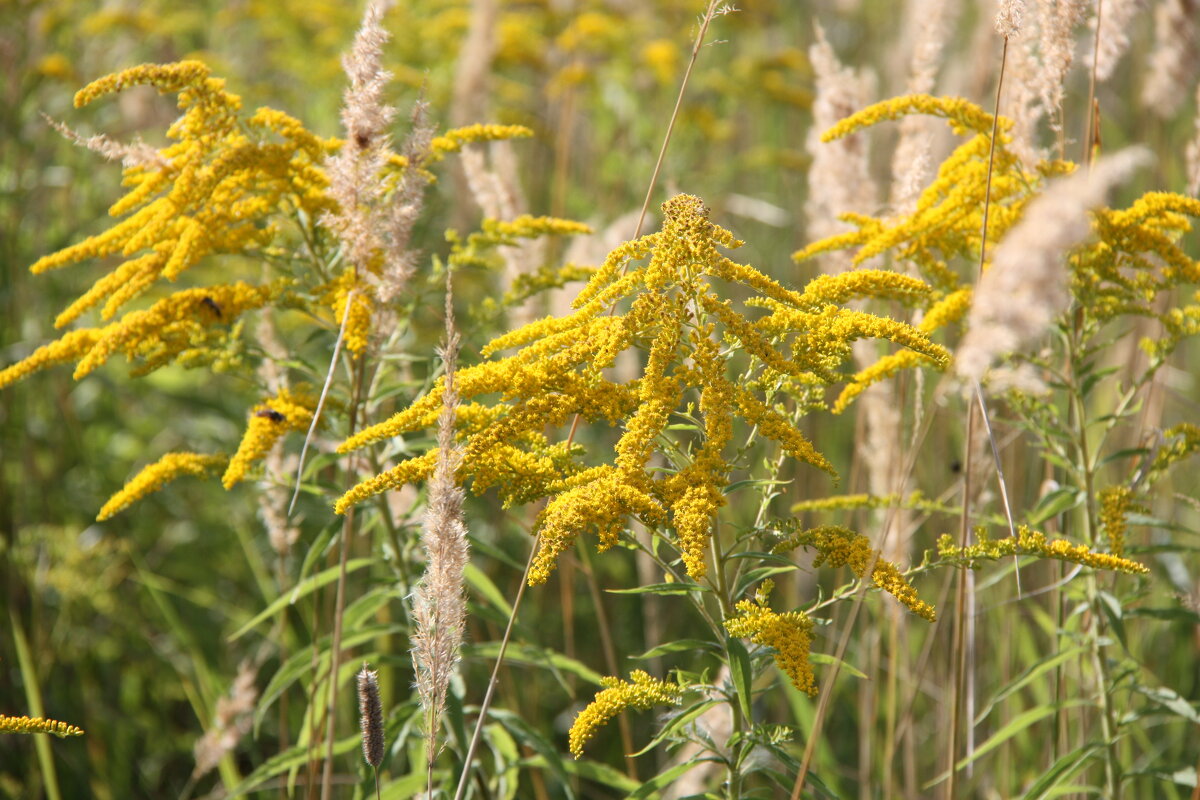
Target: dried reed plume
1009,17
1056,22
1018,298
354,171
439,604
912,160
838,178
1112,38
231,721
137,154
1175,58
374,222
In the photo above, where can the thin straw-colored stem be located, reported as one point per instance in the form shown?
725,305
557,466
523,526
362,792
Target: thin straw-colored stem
1091,101
958,649
469,758
312,427
340,601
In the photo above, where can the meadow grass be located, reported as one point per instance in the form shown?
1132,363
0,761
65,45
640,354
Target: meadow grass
666,401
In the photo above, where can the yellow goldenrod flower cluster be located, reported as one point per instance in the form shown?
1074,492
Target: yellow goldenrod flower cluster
453,140
789,634
154,476
689,334
1034,543
37,725
269,421
640,692
915,500
1181,441
1115,504
1134,258
215,187
840,547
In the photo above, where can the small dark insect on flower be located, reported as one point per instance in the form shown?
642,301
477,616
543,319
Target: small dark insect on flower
211,305
270,414
362,140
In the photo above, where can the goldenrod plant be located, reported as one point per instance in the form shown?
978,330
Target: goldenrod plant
486,364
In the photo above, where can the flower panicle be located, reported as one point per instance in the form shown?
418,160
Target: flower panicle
154,476
439,601
789,634
1029,542
556,375
38,725
640,692
287,411
838,546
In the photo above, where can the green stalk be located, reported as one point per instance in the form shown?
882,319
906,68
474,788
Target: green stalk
33,698
1112,775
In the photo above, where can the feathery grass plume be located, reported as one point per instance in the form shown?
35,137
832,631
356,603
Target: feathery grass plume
1112,39
1009,18
232,720
1026,286
137,154
370,716
1056,24
1029,542
38,725
559,368
640,692
154,476
839,180
439,602
1175,58
912,160
355,180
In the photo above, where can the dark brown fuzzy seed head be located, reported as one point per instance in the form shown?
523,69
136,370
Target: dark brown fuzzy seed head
370,712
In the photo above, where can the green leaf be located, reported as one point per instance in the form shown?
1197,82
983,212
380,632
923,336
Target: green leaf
1026,677
1113,611
1061,770
757,576
678,646
488,590
301,589
295,756
825,658
741,673
517,653
663,589
733,487
1055,503
1171,700
593,771
651,787
527,735
677,722
1015,726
